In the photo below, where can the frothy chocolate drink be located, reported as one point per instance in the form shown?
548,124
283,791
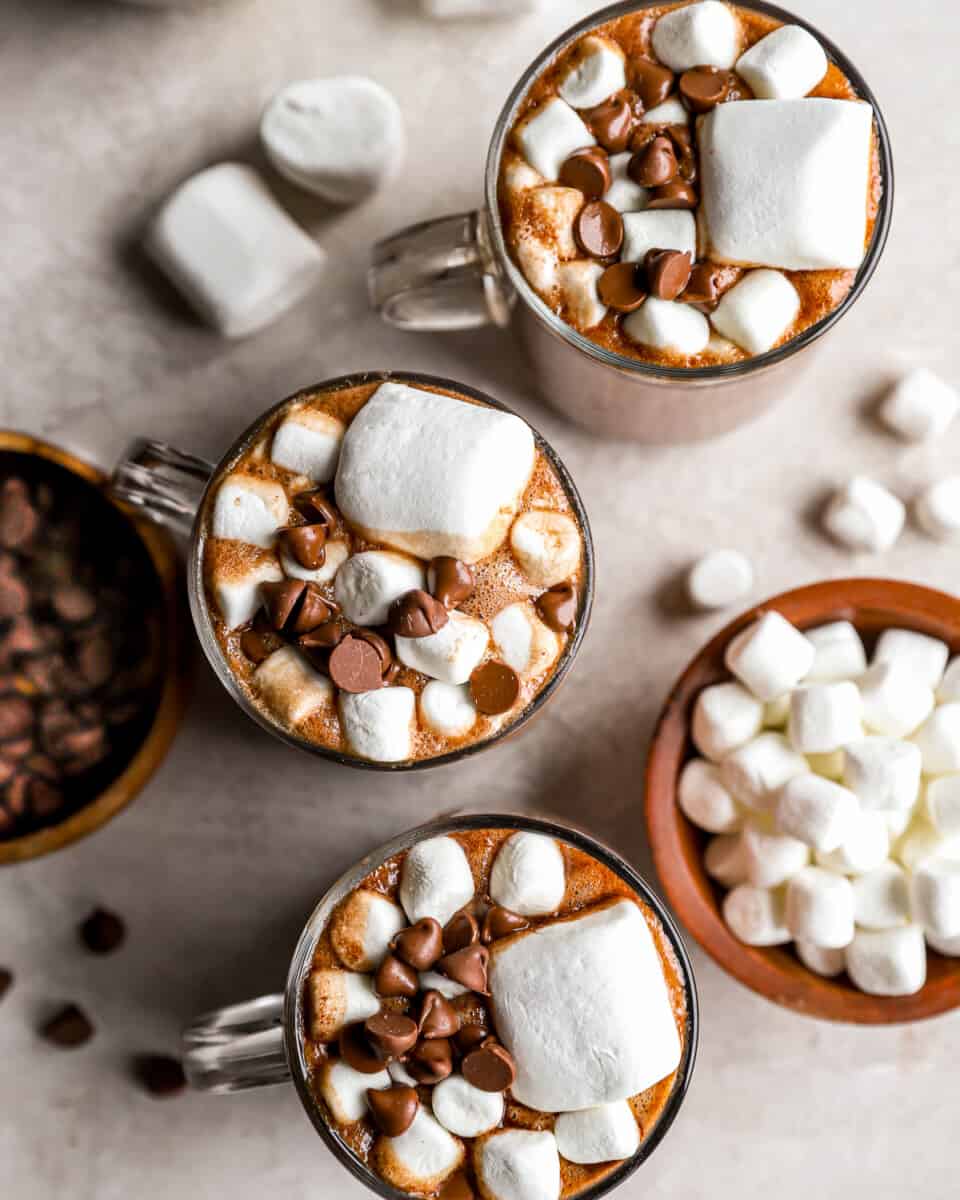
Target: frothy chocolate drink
691,184
494,1006
394,572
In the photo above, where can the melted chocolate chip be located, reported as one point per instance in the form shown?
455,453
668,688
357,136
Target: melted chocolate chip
467,966
683,146
588,171
355,666
653,82
654,165
668,272
703,287
495,688
416,615
68,1028
396,978
557,607
612,122
598,229
491,1069
159,1074
421,945
314,610
676,194
471,1037
305,544
391,1035
102,932
281,599
438,1017
317,509
704,88
460,931
453,580
622,287
357,1052
258,646
430,1061
393,1109
501,922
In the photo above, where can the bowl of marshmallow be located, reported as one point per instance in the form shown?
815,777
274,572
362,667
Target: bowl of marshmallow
803,800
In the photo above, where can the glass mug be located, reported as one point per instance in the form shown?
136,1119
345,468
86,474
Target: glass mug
177,489
261,1042
457,273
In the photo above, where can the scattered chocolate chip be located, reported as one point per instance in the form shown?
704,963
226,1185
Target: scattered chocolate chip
391,1035
588,171
314,611
317,509
491,1069
16,717
395,978
430,1061
704,88
416,614
256,646
438,1017
668,272
557,607
102,932
393,1109
653,82
355,666
683,146
18,517
6,981
420,945
159,1074
495,688
501,922
470,1037
654,165
73,603
467,966
460,931
598,229
68,1028
453,580
281,599
612,122
703,286
305,544
677,194
356,1050
623,287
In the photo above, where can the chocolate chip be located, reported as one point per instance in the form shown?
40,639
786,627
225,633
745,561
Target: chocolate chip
356,1050
376,641
460,931
491,1069
654,165
391,1035
395,978
159,1074
653,82
612,122
668,272
416,614
623,287
588,171
6,981
704,88
420,945
102,932
501,922
703,286
314,610
281,599
68,1028
355,666
453,580
430,1061
317,509
598,229
495,688
470,1037
325,637
438,1017
393,1109
557,607
467,966
16,717
683,146
257,646
305,544
18,517
676,194
73,603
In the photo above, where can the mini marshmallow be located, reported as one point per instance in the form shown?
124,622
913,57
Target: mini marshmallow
518,1164
816,811
578,290
419,1160
920,407
464,1109
700,35
822,960
599,71
756,772
233,252
668,325
922,841
897,823
888,962
308,443
725,861
770,656
771,858
865,846
935,895
524,642
939,741
820,908
528,875
865,516
937,509
379,725
338,998
368,583
839,653
538,259
436,880
784,65
546,546
249,509
624,194
433,981
756,916
659,229
719,579
825,717
550,135
758,311
447,10
429,474
829,766
363,927
943,805
670,112
447,708
553,211
290,687
451,654
519,176
344,1090
705,801
237,593
925,657
608,1133
881,897
725,717
894,703
948,947
335,554
341,138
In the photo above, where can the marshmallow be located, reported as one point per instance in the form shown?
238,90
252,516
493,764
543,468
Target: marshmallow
432,475
553,211
599,71
865,516
232,251
659,229
771,858
921,406
894,703
538,259
518,1164
335,554
624,194
770,656
436,880
705,801
608,1133
829,766
433,981
888,962
816,811
762,166
578,290
897,823
341,138
363,927
725,861
290,687
546,546
465,1110
699,35
528,875
756,916
344,1090
379,725
865,846
839,653
725,717
525,643
308,443
338,998
758,311
593,980
943,805
820,908
822,960
668,325
756,772
237,592
824,717
784,65
519,176
670,112
447,708
249,509
922,841
881,897
419,1160
776,713
719,579
925,657
550,135
939,741
949,688
368,583
451,654
446,10
948,947
935,895
937,509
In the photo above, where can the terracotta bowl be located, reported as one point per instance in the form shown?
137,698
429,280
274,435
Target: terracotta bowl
872,605
173,694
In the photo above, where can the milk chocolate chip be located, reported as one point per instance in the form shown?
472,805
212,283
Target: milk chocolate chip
391,1035
622,287
420,945
491,1069
653,82
355,666
683,146
438,1017
501,922
495,688
395,978
676,194
588,170
416,615
314,610
470,1037
393,1109
68,1028
305,544
159,1074
558,606
317,509
704,88
668,272
703,287
318,643
258,645
102,932
430,1061
357,1051
460,931
467,966
612,122
598,229
453,580
280,600
655,164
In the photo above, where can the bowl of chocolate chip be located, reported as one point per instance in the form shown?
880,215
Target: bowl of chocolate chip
91,662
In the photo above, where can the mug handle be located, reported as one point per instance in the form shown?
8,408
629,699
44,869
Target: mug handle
166,483
237,1048
440,275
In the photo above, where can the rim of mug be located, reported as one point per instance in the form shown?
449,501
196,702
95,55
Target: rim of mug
689,375
200,610
294,1018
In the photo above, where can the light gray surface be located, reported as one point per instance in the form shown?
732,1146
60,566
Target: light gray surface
215,867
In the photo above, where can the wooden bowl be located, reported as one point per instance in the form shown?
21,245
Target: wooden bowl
872,605
173,694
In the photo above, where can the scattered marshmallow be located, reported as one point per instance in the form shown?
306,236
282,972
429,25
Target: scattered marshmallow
624,194
757,916
379,725
825,717
451,654
600,70
363,927
436,880
550,135
464,1109
865,516
784,65
882,897
725,861
368,583
419,1160
290,687
528,875
670,112
816,812
770,656
237,592
446,10
659,229
820,908
894,703
232,251
719,579
757,771
518,1164
249,509
943,805
937,509
920,407
668,325
308,443
888,962
699,35
344,1090
771,858
525,643
925,657
447,708
546,546
725,717
939,741
608,1133
822,960
935,895
335,554
578,290
865,846
338,998
433,981
758,311
705,801
839,653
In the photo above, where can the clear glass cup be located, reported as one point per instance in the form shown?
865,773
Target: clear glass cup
177,489
262,1042
457,273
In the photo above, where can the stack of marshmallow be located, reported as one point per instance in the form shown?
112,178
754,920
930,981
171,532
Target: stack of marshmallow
833,791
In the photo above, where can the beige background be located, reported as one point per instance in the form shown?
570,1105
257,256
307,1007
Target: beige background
105,108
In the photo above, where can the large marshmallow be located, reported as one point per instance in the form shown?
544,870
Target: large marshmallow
447,708
232,250
249,509
939,741
451,654
658,229
895,704
920,407
528,875
926,657
546,545
720,578
419,1160
817,812
839,653
770,656
758,311
888,962
725,717
598,72
784,65
725,861
762,166
518,1164
937,509
524,642
363,927
578,292
699,35
821,960
550,135
820,908
338,998
757,916
935,895
432,475
307,442
771,858
335,554
464,1109
237,591
864,515
344,1090
595,980
756,772
705,800
884,773
368,583
379,725
608,1133
865,846
825,717
624,194
290,687
943,805
881,897
668,325
436,880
